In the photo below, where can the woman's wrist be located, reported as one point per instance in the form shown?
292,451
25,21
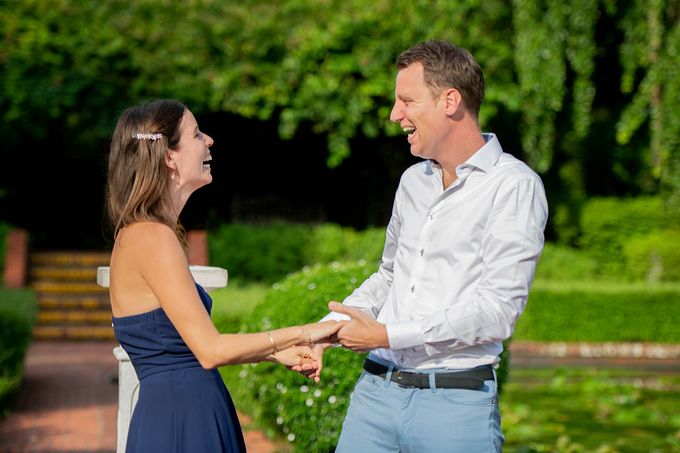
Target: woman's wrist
275,348
306,337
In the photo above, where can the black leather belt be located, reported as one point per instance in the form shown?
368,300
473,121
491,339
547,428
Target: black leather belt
472,379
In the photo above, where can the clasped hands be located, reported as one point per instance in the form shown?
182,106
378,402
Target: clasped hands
359,333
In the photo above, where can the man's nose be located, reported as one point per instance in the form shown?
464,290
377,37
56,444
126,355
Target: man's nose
395,114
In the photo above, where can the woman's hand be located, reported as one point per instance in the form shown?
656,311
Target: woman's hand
301,357
322,332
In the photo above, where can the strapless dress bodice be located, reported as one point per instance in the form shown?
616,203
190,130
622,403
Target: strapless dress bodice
152,342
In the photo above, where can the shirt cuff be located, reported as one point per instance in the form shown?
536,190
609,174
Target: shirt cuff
333,316
405,334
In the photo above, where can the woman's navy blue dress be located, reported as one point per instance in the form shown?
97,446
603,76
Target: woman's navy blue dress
182,407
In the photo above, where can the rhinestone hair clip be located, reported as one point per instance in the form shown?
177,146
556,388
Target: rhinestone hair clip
140,136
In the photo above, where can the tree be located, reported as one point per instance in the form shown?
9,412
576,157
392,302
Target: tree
590,85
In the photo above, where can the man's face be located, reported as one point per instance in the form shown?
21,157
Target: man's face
419,113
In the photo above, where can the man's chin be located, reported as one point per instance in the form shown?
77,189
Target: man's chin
416,152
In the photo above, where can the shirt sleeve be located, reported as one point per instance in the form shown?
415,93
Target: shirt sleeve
511,246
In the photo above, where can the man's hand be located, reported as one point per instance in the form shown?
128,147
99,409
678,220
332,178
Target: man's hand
362,333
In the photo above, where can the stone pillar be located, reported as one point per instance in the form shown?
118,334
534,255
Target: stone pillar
16,256
128,385
198,247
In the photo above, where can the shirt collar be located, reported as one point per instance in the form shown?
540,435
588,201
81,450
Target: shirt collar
486,157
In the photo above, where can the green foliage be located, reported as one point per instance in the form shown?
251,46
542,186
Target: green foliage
607,224
286,405
258,252
590,409
18,310
600,312
69,67
234,303
562,263
4,229
651,48
330,242
654,257
268,252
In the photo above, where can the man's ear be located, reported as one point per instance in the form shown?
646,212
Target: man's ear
453,101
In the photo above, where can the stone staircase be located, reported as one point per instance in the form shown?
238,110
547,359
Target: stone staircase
72,305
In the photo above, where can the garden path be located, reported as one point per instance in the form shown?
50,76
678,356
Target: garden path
69,399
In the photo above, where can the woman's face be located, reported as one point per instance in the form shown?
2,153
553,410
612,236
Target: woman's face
192,156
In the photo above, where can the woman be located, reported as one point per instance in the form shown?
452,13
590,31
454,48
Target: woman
161,317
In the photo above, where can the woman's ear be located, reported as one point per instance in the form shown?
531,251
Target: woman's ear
169,160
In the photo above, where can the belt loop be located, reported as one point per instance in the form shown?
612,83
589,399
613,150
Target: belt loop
433,381
388,376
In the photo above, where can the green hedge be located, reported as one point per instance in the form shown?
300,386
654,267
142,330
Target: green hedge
258,252
601,312
654,257
267,253
308,414
4,229
18,309
607,224
561,262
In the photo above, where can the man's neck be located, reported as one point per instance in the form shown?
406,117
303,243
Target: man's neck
467,142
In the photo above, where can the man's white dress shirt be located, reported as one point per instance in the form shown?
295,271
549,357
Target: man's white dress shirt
458,262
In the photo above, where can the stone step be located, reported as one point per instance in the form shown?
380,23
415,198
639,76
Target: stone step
74,317
60,273
80,333
53,288
72,306
68,302
67,258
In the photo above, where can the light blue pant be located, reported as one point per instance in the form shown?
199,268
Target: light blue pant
383,417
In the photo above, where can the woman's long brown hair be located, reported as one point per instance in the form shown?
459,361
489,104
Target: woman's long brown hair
138,178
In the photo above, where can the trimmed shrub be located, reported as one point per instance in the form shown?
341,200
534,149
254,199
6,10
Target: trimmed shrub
599,312
608,223
267,253
18,310
285,404
330,242
654,257
4,229
560,262
263,253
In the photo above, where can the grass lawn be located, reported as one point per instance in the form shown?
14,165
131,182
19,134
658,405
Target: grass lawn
590,410
233,304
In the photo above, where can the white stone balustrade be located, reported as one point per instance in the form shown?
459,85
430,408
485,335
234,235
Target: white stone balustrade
209,278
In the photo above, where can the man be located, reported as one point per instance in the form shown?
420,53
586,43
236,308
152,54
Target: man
460,252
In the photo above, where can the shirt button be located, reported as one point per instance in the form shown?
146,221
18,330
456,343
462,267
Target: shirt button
401,359
431,216
422,251
413,288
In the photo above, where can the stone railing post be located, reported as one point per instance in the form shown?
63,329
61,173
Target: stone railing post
208,277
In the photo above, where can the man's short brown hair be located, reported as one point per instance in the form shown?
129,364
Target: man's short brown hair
446,65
